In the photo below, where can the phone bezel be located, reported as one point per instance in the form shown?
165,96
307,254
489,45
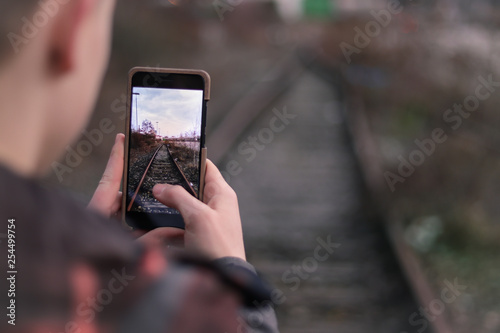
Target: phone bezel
173,79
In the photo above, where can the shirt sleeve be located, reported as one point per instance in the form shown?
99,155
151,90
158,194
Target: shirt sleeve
258,314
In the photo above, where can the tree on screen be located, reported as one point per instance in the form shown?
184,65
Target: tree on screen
148,128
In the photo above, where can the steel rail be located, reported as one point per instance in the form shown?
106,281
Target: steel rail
143,177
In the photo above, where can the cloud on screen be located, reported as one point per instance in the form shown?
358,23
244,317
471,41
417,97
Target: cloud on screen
176,110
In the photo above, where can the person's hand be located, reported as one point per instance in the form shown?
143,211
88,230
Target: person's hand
213,227
107,198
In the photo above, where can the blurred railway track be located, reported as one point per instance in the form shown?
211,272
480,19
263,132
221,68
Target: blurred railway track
371,233
257,100
363,140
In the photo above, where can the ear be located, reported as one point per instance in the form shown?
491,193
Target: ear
66,30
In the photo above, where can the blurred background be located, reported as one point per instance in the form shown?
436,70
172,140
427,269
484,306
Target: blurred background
364,129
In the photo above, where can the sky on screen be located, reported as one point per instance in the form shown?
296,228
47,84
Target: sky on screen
176,110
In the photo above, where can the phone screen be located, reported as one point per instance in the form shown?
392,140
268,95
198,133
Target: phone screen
166,134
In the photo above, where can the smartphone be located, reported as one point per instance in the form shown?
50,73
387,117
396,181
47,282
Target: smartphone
165,142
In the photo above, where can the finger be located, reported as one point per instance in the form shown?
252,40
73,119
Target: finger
114,170
213,174
161,236
216,187
214,182
104,199
178,198
117,204
138,233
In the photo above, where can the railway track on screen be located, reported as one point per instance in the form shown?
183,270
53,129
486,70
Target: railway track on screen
163,168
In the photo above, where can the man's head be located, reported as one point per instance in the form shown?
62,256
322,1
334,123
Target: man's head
53,55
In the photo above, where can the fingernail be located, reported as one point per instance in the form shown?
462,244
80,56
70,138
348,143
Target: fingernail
157,190
117,139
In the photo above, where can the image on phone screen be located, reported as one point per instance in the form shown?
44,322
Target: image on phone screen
164,145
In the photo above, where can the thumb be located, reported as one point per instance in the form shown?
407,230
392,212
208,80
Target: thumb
177,197
105,197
